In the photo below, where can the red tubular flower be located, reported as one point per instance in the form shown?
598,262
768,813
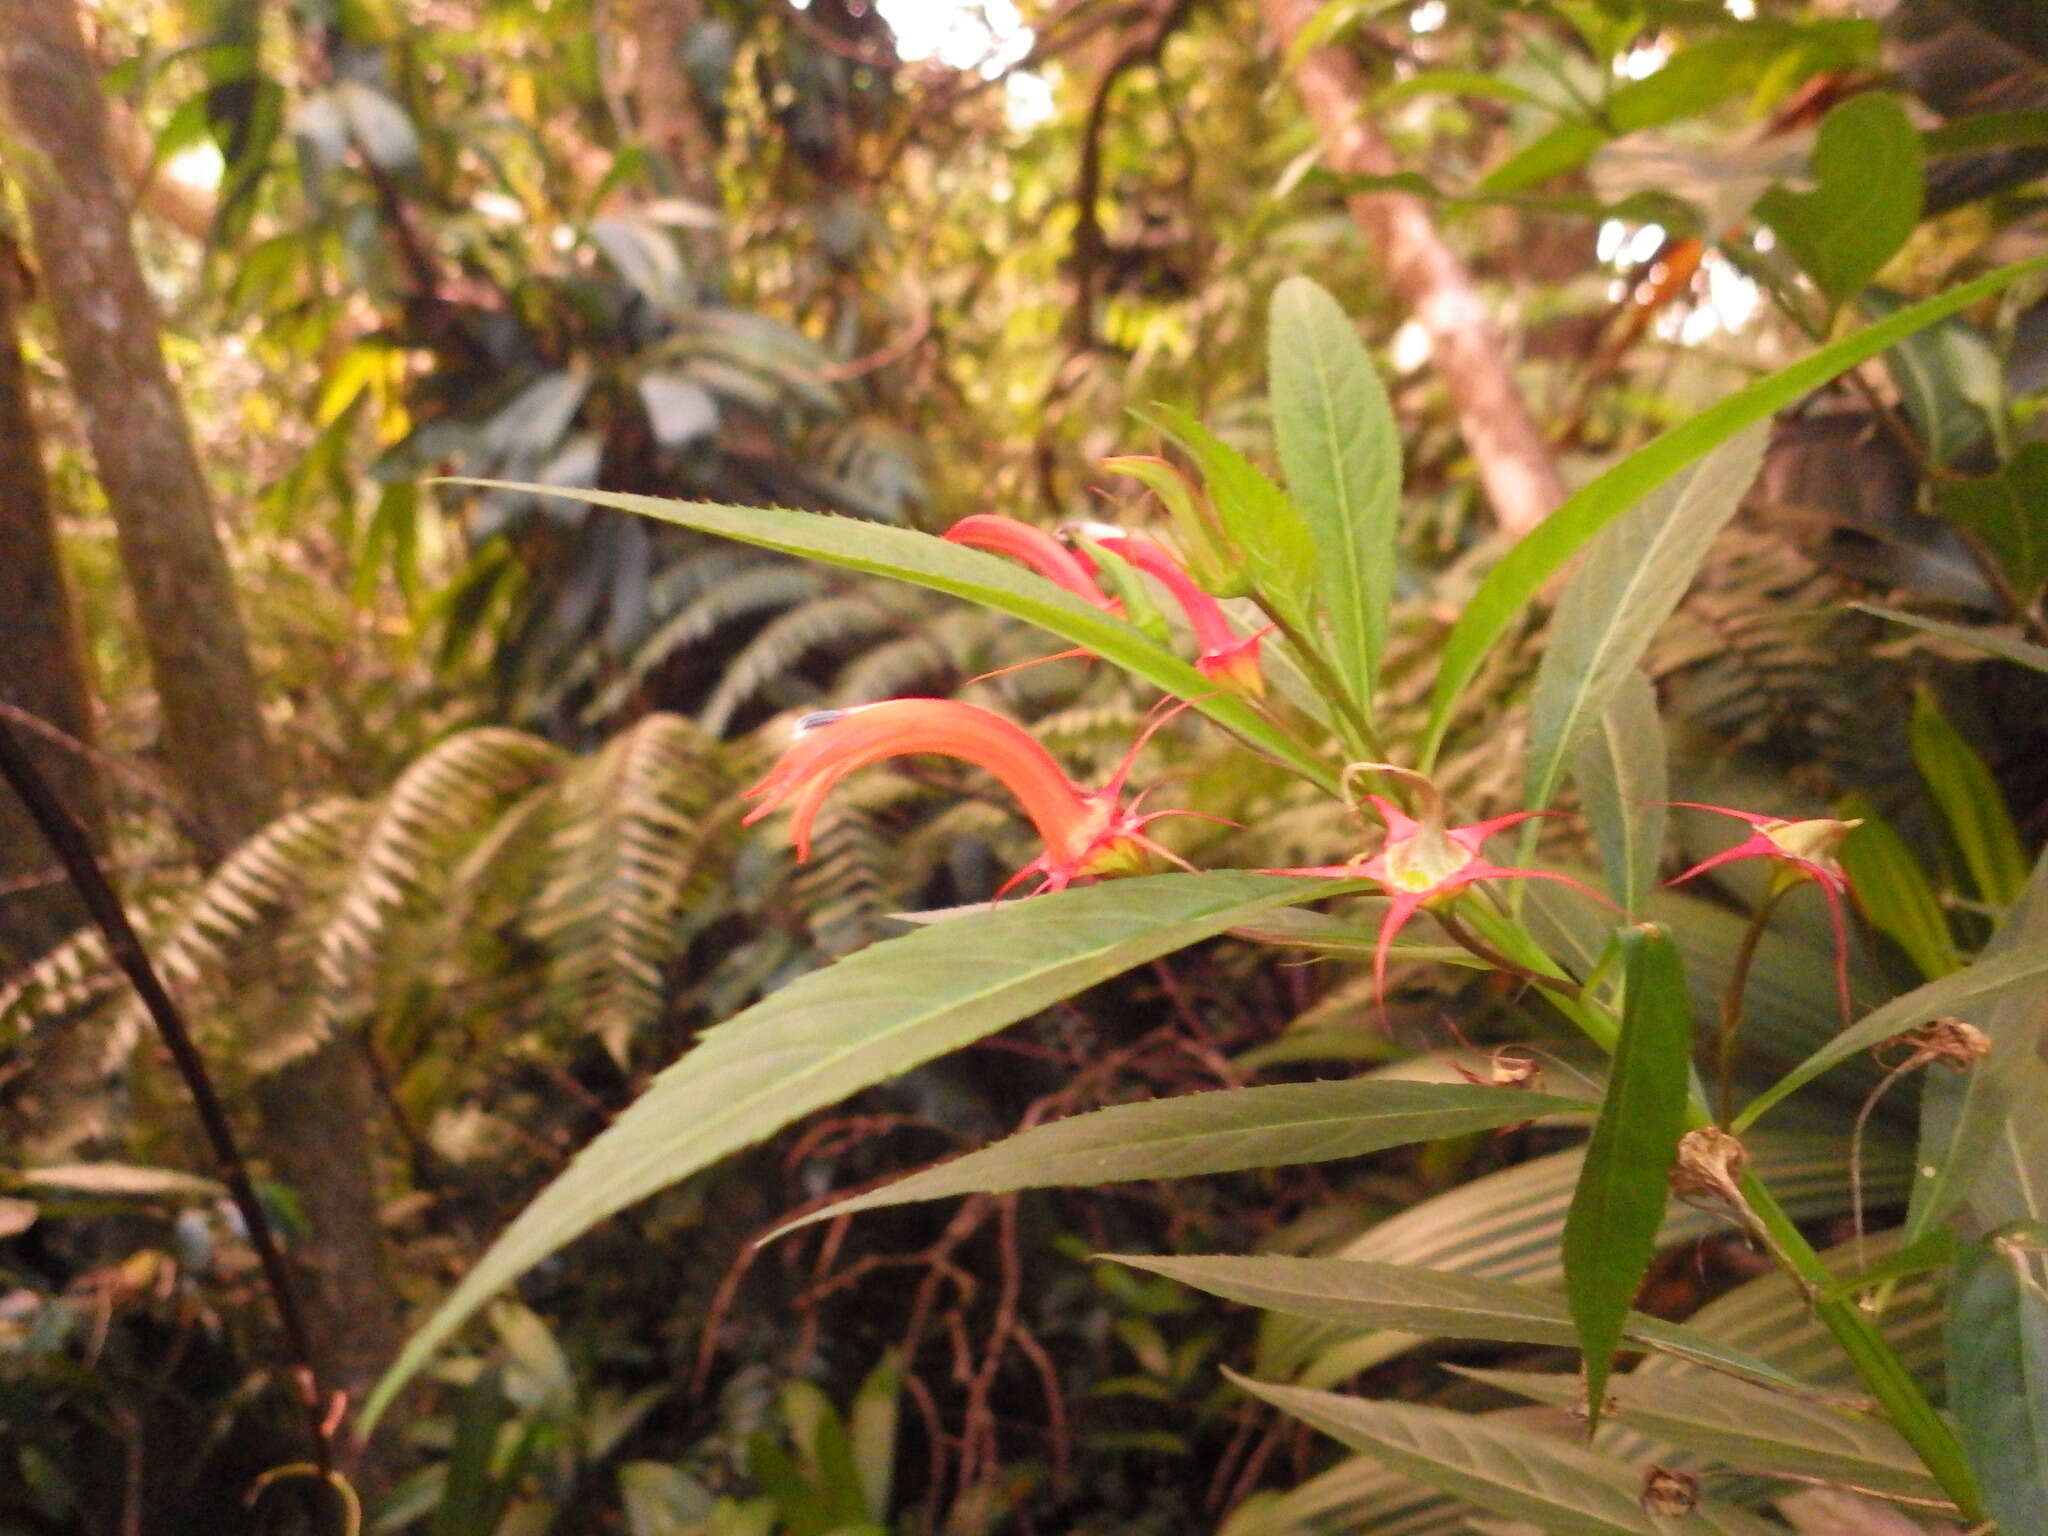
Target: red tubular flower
1089,834
1226,657
1801,850
1033,547
1425,862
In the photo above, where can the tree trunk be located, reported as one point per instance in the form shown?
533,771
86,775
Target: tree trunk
668,115
313,1115
1470,353
42,671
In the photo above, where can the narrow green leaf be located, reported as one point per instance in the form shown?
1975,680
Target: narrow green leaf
1461,82
1565,147
1515,1472
1278,549
1619,1203
1521,573
973,574
1358,1293
1958,993
1971,802
1630,579
1982,1145
880,1012
1218,1132
1998,1375
1985,130
1744,1426
877,1407
1934,1252
1508,1225
1342,454
1992,642
1894,891
1870,180
1623,784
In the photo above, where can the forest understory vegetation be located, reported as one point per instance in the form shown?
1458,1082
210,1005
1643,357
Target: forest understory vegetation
1091,766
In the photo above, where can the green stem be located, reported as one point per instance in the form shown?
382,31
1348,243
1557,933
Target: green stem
1904,1404
1730,1025
1361,738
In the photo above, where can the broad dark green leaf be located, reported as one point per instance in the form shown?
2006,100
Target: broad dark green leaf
1618,1206
1218,1132
1359,1293
1342,454
1623,785
1631,577
1870,181
2008,511
1998,1373
1971,802
880,1012
1744,1426
1525,568
1990,641
1515,1472
972,574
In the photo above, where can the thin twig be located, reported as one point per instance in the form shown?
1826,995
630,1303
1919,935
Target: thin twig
68,840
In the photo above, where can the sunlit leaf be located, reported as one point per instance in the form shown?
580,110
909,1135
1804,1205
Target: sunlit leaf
1870,180
968,573
1525,568
1342,454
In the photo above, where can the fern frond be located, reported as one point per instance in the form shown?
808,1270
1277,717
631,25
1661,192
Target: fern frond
629,876
743,590
766,668
441,805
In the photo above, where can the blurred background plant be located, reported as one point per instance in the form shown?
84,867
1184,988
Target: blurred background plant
903,263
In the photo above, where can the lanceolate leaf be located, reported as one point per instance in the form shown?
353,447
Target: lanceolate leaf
1894,890
1958,992
1219,1132
1991,641
1522,572
1970,801
1611,1231
1279,551
1358,1293
880,1012
1342,455
979,577
1998,1378
1623,784
1516,1472
1745,1426
1982,1143
1631,577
